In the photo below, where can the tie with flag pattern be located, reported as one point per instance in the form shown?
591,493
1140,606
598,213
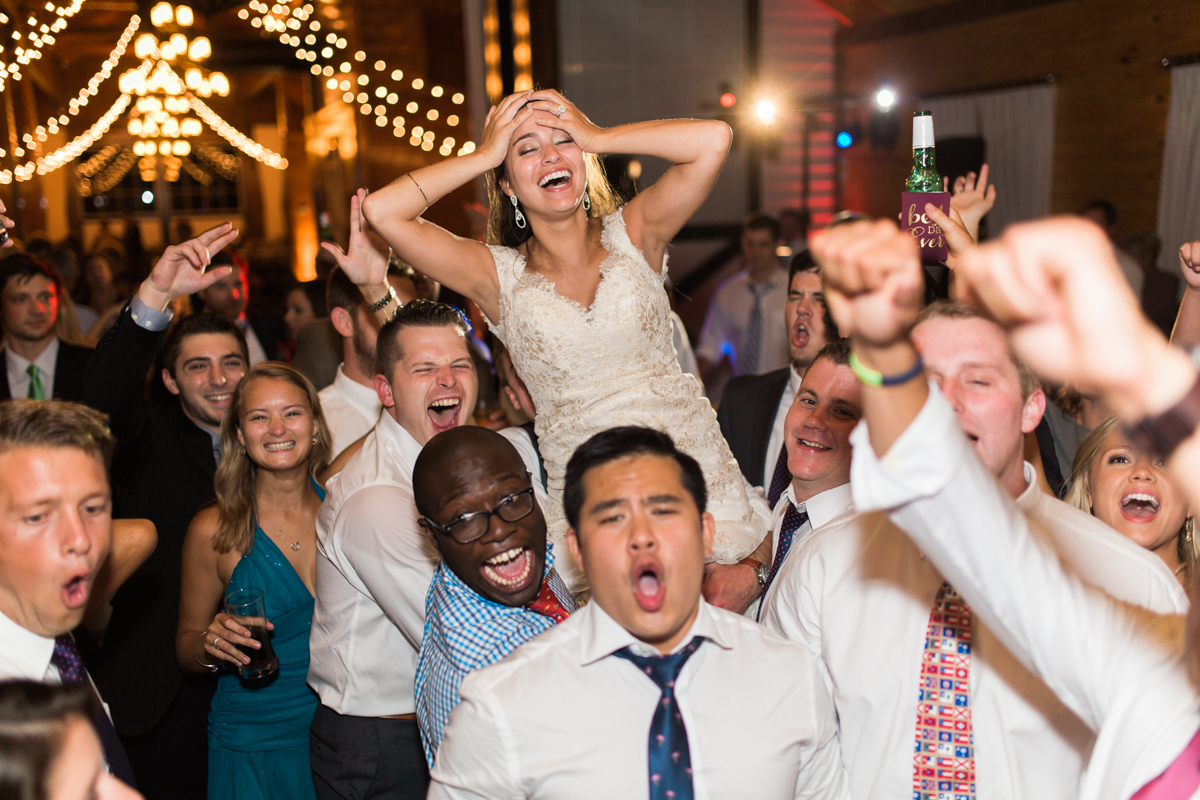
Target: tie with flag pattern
793,520
37,391
944,757
669,758
547,602
71,670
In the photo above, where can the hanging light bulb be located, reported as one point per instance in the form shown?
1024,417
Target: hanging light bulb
161,14
144,45
184,16
180,148
204,89
190,127
219,83
170,128
178,42
164,148
166,51
192,77
200,48
135,127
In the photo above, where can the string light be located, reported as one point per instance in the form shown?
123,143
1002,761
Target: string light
235,137
39,35
281,17
70,151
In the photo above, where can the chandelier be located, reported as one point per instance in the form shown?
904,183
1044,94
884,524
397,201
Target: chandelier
161,116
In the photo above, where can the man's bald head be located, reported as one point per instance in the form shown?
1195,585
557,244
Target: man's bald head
448,449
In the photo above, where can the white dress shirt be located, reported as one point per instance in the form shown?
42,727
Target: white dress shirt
823,509
18,377
860,593
351,410
24,655
254,347
1118,667
729,314
570,572
562,717
778,434
374,567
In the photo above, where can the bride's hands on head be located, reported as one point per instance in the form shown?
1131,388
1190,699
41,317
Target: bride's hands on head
499,126
570,119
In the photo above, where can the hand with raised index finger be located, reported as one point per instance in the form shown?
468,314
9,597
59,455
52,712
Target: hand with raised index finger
180,269
499,126
365,260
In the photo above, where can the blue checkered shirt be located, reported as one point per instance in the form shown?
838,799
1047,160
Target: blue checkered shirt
464,632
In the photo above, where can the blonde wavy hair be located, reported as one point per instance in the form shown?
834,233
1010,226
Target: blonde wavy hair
502,219
237,476
1079,490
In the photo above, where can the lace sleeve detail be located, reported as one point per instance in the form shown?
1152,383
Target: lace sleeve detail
615,238
509,266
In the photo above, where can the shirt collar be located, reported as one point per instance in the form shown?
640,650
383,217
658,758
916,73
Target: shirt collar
601,636
794,380
399,442
823,507
364,398
45,361
23,653
1029,499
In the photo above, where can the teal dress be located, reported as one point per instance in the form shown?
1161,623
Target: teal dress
258,730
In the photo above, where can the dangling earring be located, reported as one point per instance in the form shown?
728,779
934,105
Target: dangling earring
1189,528
314,439
587,201
520,218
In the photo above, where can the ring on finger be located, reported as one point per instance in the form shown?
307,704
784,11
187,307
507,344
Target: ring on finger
561,110
216,643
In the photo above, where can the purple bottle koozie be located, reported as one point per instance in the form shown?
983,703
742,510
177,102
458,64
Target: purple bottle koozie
918,224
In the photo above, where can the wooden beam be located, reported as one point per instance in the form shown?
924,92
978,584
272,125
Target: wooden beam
941,16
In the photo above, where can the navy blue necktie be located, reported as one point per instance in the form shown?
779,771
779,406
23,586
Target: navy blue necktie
670,761
780,478
793,519
71,670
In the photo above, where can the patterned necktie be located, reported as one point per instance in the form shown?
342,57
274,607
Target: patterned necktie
670,760
752,339
1180,780
944,760
71,670
793,519
548,604
779,479
36,390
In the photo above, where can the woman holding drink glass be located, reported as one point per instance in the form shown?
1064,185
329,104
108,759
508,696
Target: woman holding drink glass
249,570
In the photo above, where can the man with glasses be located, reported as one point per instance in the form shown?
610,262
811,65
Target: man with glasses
496,587
374,565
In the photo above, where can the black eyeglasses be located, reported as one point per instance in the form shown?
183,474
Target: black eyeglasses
470,527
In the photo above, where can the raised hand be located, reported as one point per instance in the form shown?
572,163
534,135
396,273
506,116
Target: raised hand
1189,264
873,280
973,198
1071,314
567,118
958,238
365,260
499,125
180,269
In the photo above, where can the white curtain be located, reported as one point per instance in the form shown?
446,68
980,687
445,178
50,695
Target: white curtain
1179,191
1017,126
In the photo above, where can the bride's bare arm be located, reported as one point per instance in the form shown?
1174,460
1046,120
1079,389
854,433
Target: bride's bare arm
395,212
696,148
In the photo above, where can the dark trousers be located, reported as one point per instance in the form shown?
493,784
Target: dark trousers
171,761
356,758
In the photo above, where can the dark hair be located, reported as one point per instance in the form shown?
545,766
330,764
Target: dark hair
837,351
340,291
25,266
804,262
759,221
415,314
1104,207
630,440
194,325
315,292
55,423
33,718
802,216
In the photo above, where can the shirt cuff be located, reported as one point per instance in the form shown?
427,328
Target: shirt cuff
920,463
149,318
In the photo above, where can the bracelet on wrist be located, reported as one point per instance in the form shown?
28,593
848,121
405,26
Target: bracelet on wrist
209,667
872,377
1161,434
382,303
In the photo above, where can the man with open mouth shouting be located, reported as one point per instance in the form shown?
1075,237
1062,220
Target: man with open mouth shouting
496,587
630,697
374,565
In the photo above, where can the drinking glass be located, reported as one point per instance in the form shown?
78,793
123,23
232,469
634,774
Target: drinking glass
250,609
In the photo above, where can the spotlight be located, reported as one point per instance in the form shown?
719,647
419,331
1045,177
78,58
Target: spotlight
728,100
765,111
885,98
844,139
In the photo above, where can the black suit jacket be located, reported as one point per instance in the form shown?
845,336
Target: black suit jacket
163,471
68,373
746,416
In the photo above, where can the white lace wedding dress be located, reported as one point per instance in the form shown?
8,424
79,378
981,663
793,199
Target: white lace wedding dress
615,364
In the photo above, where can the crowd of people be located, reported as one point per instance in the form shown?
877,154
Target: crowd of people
935,537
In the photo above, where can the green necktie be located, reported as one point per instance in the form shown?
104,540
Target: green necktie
36,390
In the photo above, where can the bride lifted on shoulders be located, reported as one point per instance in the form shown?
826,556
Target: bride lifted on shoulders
573,284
